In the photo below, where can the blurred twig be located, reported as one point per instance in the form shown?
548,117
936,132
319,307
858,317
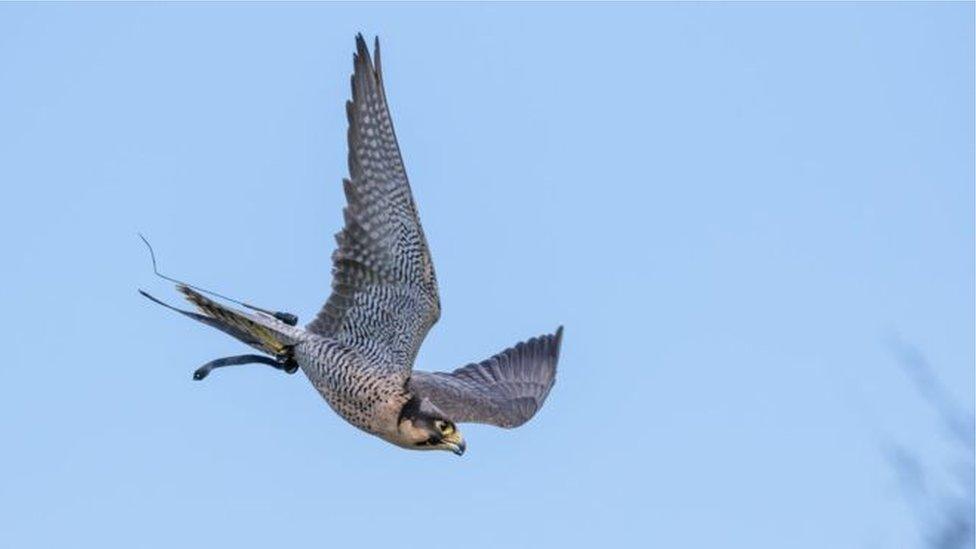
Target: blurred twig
946,512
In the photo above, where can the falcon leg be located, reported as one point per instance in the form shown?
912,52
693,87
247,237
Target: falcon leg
285,363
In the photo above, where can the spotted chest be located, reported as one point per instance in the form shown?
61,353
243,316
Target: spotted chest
367,395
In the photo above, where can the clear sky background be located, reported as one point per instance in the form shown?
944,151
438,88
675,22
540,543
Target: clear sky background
733,208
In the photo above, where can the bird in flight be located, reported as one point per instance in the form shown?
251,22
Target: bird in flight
360,349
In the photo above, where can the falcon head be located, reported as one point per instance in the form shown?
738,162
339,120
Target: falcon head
422,426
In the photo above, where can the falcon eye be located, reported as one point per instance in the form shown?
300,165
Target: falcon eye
444,427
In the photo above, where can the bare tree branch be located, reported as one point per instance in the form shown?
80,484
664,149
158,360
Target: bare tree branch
946,513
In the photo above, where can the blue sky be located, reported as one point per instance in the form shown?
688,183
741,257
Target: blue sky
733,209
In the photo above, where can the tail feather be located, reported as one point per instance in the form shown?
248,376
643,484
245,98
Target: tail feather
263,332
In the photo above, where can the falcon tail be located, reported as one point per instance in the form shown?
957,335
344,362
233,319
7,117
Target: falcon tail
263,332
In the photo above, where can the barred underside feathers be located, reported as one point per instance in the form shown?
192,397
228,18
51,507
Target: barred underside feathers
263,332
384,291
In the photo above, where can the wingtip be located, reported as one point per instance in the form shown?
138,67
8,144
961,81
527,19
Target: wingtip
376,54
557,347
362,51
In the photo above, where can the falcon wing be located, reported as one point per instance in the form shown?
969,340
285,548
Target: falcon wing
506,390
384,291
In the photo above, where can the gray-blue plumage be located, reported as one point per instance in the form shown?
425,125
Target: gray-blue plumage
359,351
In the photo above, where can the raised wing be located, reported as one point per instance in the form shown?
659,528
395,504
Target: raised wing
506,390
384,291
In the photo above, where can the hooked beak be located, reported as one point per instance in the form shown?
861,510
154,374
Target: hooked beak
458,449
455,443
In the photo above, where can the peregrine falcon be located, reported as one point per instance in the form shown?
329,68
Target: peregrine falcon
360,349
